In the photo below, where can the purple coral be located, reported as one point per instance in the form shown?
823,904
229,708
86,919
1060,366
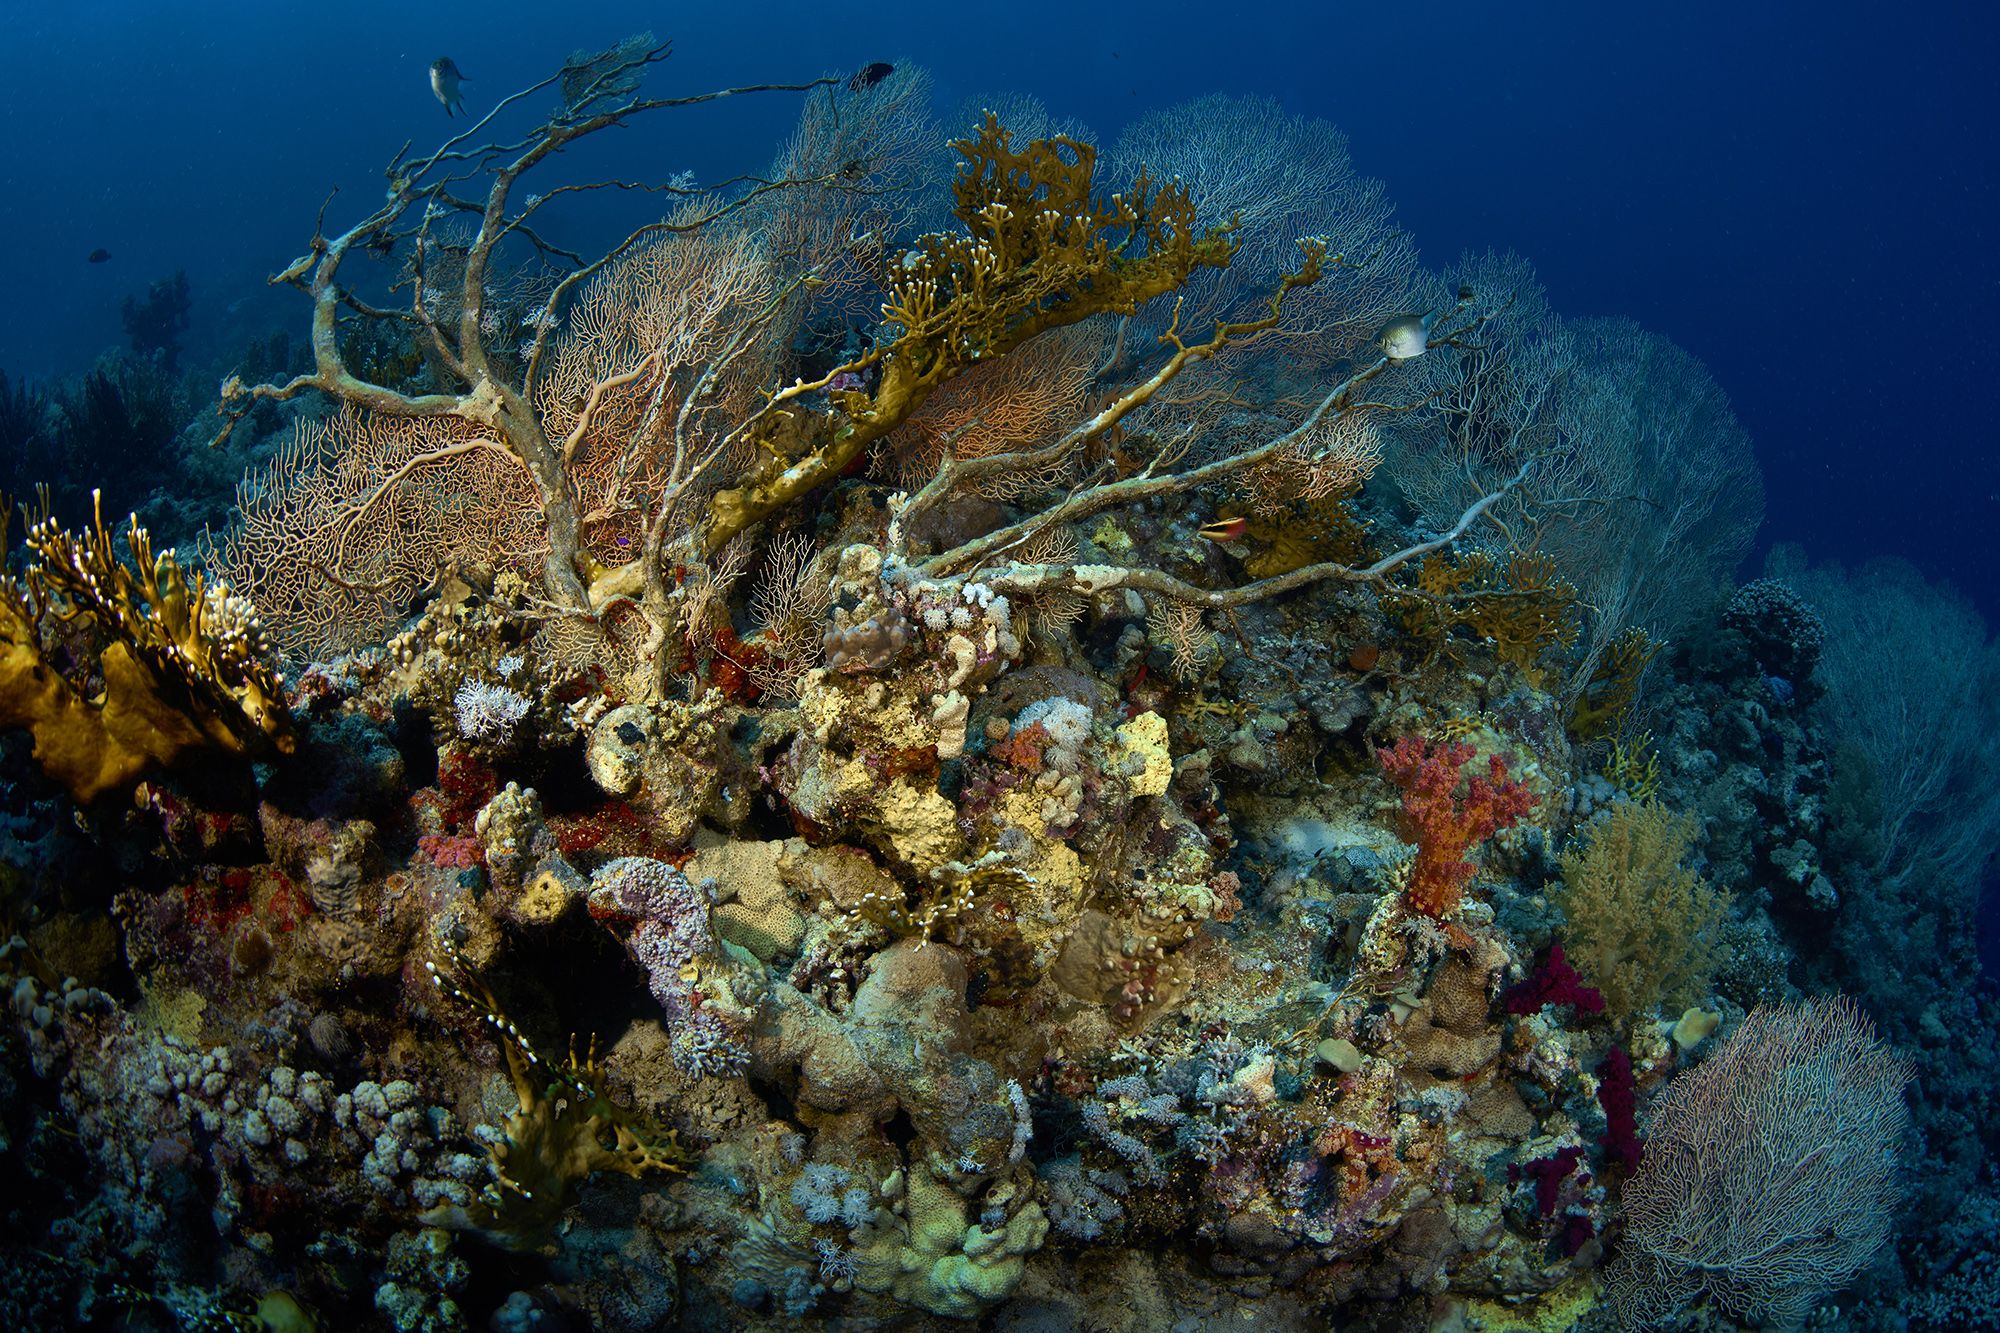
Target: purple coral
1618,1094
670,931
1555,982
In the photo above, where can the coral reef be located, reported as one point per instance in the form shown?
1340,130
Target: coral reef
1141,860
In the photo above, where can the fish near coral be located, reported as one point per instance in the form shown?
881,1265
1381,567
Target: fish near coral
870,75
1225,529
445,79
1403,338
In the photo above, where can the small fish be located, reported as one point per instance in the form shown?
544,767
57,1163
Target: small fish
1225,529
99,256
1403,338
445,79
870,75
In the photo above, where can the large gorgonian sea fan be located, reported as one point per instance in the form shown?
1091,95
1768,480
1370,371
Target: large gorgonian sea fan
1770,1173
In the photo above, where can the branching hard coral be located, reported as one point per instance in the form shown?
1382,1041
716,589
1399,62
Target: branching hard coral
1634,769
170,668
1643,929
565,1129
1446,814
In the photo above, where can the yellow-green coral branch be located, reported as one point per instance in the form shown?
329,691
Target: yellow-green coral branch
1038,252
184,668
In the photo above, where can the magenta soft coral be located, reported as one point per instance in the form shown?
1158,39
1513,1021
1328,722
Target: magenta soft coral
1618,1096
1446,814
1554,982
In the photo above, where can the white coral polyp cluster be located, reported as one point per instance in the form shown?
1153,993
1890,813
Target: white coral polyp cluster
1068,724
488,712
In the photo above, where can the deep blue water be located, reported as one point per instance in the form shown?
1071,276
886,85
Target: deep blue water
1802,197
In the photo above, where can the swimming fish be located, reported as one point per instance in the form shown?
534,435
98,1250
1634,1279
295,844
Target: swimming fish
1225,529
1403,338
445,79
870,75
99,256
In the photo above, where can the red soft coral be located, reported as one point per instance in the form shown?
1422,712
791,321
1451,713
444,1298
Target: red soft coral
1446,822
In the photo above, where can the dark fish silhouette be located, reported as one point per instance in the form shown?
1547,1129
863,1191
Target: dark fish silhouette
445,79
870,75
99,256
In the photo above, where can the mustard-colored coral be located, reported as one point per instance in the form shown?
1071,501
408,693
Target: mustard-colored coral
1555,1311
1303,533
1634,769
561,1134
938,1260
1039,251
564,1130
1643,929
918,822
1144,756
1607,696
179,668
1522,605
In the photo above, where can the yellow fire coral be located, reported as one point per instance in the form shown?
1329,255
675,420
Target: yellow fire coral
1607,695
565,1129
1038,251
179,668
1522,605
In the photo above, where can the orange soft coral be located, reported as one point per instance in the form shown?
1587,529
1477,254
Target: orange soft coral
1446,814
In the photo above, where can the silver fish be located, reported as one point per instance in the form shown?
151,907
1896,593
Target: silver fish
1403,338
445,79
